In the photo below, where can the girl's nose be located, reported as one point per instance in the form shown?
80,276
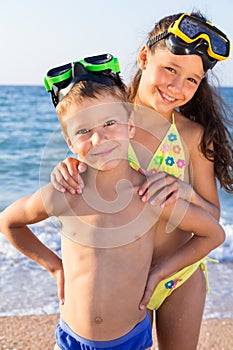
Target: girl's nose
176,86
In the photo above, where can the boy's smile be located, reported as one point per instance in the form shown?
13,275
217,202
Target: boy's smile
103,151
98,132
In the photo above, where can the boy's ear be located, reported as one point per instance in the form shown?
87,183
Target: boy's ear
143,57
131,126
69,143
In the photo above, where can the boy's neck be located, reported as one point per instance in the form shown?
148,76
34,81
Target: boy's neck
107,182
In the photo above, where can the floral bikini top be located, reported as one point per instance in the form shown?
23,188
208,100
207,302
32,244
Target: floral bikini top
169,156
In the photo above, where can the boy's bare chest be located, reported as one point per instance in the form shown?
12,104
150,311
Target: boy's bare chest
108,223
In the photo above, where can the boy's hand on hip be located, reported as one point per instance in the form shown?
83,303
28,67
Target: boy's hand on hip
59,276
151,284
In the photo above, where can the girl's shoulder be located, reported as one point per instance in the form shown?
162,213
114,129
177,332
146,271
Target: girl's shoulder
190,131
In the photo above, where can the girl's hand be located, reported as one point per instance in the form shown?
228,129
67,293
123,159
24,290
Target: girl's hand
66,176
164,189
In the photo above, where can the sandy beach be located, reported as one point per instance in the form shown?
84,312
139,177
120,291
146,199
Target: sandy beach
37,333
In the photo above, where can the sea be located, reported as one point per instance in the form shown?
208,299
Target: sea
31,144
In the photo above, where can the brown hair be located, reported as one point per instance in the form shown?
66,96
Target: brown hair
88,89
206,108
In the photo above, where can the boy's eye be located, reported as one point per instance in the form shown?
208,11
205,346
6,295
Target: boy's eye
170,69
110,122
83,131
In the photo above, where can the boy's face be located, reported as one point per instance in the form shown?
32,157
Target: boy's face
98,131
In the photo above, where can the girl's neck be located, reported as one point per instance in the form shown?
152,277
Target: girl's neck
167,115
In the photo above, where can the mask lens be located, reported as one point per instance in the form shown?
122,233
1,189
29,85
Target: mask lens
190,28
194,28
100,59
54,72
217,45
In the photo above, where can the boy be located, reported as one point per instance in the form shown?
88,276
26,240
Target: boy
108,232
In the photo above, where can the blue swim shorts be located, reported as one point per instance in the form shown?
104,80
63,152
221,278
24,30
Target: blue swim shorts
139,338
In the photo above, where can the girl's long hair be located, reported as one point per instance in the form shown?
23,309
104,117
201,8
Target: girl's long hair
207,108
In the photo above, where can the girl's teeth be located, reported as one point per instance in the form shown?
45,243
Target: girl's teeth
171,99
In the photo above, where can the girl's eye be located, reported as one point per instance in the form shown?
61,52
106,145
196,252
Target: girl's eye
109,123
83,131
194,81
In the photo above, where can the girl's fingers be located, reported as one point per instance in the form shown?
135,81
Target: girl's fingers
157,191
60,184
168,195
62,179
159,180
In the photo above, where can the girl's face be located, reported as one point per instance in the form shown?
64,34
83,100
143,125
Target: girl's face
168,81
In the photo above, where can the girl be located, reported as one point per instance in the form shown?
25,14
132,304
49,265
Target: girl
172,79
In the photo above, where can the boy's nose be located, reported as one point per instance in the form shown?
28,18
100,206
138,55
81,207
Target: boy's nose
98,136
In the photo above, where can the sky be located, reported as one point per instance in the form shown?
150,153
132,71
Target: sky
38,35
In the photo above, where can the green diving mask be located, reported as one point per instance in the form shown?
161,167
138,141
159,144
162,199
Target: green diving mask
102,69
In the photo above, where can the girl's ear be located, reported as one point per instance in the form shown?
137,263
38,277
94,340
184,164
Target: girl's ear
143,57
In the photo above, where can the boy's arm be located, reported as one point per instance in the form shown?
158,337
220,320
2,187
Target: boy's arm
13,224
207,235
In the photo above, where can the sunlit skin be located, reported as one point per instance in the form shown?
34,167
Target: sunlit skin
168,81
107,253
95,296
99,142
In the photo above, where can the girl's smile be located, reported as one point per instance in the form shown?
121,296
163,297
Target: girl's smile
168,81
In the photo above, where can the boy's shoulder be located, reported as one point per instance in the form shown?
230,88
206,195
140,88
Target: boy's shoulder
55,202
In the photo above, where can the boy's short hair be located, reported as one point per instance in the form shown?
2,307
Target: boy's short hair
91,90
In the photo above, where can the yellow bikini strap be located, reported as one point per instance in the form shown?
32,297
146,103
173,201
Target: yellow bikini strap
173,118
204,268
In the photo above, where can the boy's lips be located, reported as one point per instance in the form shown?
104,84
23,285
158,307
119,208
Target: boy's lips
103,152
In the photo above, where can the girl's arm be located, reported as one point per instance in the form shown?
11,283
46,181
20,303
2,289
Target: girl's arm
205,192
161,188
164,189
208,234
